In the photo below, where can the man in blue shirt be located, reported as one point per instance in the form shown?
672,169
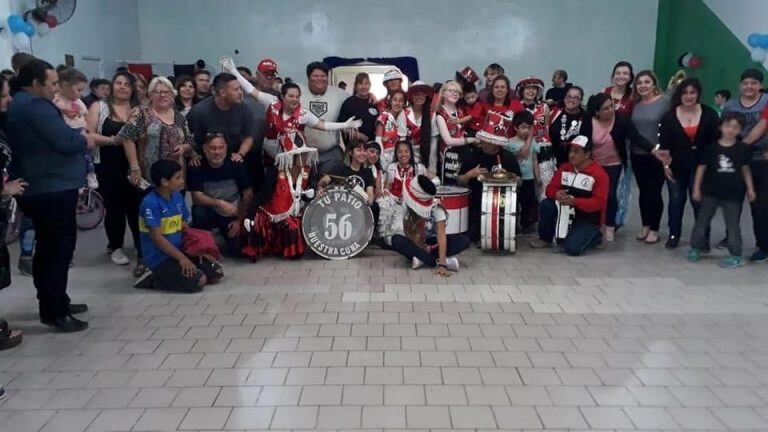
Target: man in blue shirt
49,155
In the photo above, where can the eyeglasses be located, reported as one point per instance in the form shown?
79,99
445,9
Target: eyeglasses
163,92
453,91
576,98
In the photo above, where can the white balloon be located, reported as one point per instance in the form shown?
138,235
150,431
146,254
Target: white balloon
21,42
758,55
42,28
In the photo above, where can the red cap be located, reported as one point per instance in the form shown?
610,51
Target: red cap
267,65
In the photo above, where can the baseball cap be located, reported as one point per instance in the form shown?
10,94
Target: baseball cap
267,65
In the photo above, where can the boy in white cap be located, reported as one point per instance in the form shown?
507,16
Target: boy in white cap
582,185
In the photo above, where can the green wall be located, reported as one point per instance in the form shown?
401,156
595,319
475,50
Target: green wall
689,25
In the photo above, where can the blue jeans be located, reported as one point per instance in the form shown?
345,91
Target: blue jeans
679,193
581,237
26,237
206,218
614,174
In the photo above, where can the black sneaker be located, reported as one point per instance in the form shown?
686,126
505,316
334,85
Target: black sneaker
145,281
140,270
672,242
25,265
706,249
66,324
2,393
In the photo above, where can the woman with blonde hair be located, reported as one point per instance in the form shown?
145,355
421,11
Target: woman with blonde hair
650,106
452,140
155,130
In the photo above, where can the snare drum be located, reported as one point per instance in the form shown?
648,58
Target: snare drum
455,200
498,216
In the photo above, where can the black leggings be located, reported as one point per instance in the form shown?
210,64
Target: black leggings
649,174
121,201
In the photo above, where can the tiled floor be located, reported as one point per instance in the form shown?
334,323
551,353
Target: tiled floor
628,338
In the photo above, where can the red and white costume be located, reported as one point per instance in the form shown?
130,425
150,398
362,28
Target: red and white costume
275,226
284,130
394,128
391,205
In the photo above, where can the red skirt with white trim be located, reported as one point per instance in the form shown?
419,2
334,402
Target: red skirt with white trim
283,238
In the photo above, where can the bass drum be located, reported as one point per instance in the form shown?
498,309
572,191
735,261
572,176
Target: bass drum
498,216
337,225
455,200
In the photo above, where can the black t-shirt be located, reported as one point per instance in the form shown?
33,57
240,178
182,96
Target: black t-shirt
457,161
225,183
557,94
507,159
362,110
365,175
235,123
723,178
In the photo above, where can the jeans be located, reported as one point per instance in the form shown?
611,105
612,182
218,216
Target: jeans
206,218
731,215
760,205
53,216
404,246
679,192
649,174
581,236
614,174
26,237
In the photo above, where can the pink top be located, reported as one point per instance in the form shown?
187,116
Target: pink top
604,151
73,112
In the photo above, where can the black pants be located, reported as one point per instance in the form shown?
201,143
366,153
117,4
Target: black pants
404,246
649,174
121,201
529,206
760,205
206,218
731,216
53,216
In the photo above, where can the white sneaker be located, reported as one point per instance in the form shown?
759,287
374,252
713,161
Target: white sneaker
416,263
452,263
118,257
91,180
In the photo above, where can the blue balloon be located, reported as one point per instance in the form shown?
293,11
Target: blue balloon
29,29
753,40
16,24
762,41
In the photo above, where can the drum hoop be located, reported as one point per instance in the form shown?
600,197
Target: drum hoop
368,231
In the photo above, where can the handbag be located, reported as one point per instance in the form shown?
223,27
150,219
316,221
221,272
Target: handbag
197,242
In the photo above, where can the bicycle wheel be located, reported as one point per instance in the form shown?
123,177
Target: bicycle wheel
90,209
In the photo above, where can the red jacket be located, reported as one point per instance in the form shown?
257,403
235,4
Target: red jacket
590,191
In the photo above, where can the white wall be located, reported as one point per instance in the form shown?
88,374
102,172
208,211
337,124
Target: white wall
102,28
584,37
742,17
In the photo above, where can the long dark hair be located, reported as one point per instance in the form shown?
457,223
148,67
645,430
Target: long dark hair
412,160
508,97
34,69
134,101
678,94
425,140
180,81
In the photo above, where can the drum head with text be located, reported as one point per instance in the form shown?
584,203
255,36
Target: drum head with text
337,225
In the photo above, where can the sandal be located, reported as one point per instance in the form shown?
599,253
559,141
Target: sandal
9,338
643,234
652,238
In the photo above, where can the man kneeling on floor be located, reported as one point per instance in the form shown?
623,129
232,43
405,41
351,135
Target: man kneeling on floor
162,220
221,193
581,185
